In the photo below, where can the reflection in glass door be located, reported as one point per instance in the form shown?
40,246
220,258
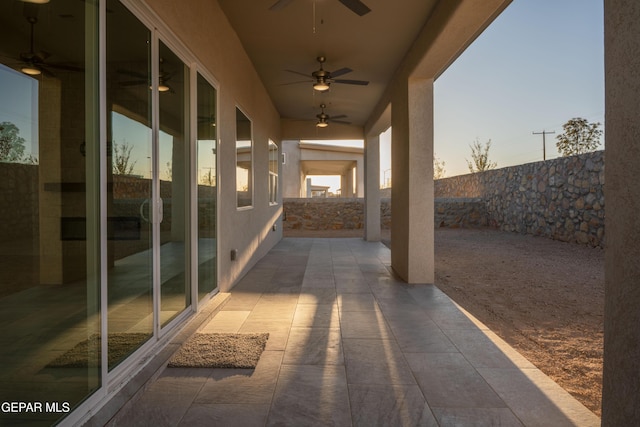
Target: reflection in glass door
173,183
129,190
207,187
49,214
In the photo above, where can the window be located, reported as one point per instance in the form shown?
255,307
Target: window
244,160
273,173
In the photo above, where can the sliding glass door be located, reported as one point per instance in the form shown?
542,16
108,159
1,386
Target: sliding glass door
207,196
130,171
173,183
49,209
148,216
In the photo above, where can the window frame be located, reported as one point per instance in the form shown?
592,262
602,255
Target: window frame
273,181
251,174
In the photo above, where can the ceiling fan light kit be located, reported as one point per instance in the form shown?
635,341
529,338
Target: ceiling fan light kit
321,86
36,1
31,70
161,87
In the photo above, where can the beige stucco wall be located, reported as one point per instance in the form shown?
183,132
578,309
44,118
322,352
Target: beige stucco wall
205,30
292,175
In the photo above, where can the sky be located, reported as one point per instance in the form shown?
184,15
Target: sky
18,105
539,64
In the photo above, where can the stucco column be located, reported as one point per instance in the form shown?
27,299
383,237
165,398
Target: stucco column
292,181
346,184
307,187
412,254
351,179
359,178
621,382
372,189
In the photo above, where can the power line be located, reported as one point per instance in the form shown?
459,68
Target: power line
544,143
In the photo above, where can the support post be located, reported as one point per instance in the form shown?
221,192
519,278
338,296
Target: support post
412,244
621,376
372,188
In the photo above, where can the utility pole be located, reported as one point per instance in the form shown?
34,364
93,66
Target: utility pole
544,143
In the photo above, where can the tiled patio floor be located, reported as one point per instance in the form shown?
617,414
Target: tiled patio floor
351,345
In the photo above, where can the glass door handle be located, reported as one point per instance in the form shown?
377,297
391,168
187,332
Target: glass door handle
144,202
160,209
157,216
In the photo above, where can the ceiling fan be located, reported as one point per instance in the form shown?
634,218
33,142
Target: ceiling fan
356,6
322,78
32,62
324,119
144,79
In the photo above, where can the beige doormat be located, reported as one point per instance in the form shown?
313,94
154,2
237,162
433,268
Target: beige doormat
220,351
87,353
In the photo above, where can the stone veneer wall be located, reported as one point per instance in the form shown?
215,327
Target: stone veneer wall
18,214
348,214
561,198
323,214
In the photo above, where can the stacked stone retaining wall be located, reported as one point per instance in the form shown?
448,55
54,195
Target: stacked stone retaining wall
348,214
18,200
20,193
323,214
561,198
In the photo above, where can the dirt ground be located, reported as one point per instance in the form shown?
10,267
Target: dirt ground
543,297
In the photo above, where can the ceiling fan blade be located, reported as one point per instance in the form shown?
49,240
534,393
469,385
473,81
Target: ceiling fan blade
339,121
299,73
134,83
341,116
5,58
340,72
206,119
46,72
356,7
132,73
295,83
64,67
352,82
280,4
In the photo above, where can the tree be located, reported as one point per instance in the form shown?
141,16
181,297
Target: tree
208,178
438,168
480,157
169,171
11,143
121,159
579,137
